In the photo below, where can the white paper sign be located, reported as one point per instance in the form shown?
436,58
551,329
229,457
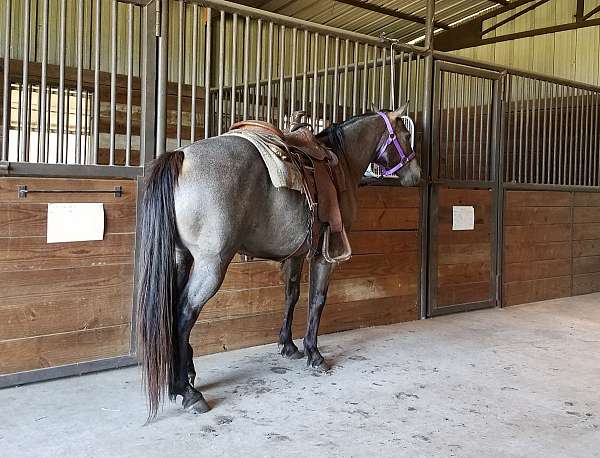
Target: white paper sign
75,222
463,218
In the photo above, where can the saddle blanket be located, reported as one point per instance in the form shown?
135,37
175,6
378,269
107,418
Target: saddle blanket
283,174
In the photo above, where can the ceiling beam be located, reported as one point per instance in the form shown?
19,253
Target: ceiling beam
591,13
390,12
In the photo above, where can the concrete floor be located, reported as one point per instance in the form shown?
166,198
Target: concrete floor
522,381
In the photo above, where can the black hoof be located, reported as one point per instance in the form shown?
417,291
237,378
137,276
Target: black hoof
198,407
290,351
194,402
321,366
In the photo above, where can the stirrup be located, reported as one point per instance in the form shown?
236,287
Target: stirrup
345,255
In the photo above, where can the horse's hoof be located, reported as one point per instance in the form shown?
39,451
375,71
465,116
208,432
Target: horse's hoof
319,366
290,351
200,406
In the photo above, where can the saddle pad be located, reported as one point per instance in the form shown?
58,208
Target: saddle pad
283,174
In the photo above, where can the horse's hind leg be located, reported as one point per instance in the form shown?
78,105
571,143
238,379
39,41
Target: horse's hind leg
292,272
320,272
204,281
185,261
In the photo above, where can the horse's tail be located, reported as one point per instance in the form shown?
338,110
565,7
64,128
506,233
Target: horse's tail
157,298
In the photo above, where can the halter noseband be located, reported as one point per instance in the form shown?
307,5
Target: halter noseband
404,159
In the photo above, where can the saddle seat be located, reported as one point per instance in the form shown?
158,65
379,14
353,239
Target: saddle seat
323,181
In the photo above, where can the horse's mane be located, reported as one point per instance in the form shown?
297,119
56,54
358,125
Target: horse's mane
333,136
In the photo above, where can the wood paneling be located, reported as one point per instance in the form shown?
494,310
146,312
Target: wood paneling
64,303
537,246
586,243
378,285
463,257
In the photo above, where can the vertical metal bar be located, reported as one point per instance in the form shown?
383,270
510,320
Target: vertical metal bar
304,70
221,72
392,91
148,85
24,146
587,139
562,153
365,78
294,62
409,66
400,78
551,176
194,72
514,90
596,146
61,83
355,80
113,81
345,89
576,158
270,73
180,47
68,125
43,87
315,101
474,159
129,84
536,133
162,76
258,68
234,60
246,65
97,41
383,73
335,96
527,133
281,74
489,134
6,81
207,68
482,98
462,118
417,88
79,107
325,81
373,89
545,165
467,146
446,88
454,109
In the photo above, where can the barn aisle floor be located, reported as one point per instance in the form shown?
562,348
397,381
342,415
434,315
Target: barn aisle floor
521,381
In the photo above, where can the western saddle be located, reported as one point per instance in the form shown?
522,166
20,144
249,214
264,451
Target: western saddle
322,179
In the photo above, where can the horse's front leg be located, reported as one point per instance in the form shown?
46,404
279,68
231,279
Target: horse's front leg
320,273
292,273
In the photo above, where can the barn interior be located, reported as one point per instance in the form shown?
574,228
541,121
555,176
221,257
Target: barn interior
496,320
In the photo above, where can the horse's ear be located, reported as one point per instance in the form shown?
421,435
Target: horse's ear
373,108
400,110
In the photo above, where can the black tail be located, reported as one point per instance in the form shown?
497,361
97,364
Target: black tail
157,287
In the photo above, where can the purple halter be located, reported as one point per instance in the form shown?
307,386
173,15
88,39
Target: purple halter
404,159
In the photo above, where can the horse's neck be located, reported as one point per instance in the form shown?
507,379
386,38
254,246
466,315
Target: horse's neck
360,141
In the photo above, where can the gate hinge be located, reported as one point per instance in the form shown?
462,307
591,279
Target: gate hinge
4,168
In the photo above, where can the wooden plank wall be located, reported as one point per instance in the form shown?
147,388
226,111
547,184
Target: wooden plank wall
377,286
551,245
63,303
463,257
586,243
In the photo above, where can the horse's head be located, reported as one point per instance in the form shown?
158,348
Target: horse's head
394,151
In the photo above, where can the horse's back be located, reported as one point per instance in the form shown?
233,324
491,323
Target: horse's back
225,201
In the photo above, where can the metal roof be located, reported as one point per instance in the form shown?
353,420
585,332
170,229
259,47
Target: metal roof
344,15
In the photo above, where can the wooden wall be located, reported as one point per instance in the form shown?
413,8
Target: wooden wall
377,286
551,245
572,54
63,303
463,257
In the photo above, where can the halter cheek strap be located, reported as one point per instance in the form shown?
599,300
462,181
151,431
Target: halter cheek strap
392,139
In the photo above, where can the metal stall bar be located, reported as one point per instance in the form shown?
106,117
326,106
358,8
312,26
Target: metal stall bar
129,85
96,122
180,48
193,121
335,95
269,72
280,116
6,81
207,66
113,80
221,73
234,40
258,68
79,96
293,63
42,120
246,66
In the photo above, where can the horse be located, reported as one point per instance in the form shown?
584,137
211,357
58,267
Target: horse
204,203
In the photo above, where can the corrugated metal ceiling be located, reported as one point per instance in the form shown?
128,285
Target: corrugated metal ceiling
357,19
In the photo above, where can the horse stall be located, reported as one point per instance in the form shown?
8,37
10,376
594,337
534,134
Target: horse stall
507,211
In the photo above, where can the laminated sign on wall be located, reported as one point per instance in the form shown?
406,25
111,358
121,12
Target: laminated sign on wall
76,222
463,218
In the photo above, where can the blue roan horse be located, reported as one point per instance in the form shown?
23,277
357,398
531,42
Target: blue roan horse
203,204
